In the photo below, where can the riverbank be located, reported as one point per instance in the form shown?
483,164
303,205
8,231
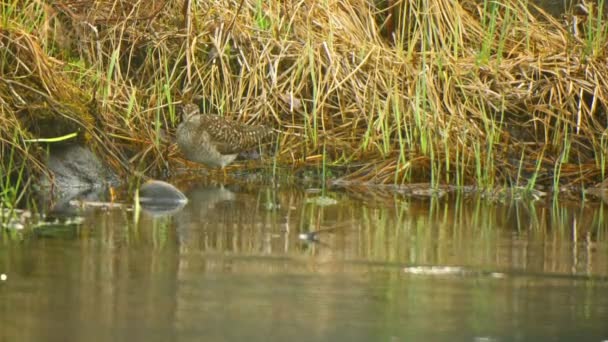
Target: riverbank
488,95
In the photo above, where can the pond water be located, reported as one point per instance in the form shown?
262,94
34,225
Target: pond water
234,265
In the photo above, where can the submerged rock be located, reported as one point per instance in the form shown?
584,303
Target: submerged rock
156,191
161,198
76,173
76,167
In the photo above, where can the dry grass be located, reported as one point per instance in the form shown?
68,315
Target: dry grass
429,90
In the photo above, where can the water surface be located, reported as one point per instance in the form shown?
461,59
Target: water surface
232,266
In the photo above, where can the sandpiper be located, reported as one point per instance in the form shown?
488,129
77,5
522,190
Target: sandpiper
213,140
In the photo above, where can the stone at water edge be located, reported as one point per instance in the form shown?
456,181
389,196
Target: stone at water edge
159,192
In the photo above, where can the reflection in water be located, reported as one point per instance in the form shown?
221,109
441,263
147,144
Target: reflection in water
206,209
231,266
159,198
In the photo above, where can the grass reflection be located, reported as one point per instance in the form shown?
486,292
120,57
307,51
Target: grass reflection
228,258
452,230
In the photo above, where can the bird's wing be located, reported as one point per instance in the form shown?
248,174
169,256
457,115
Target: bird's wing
231,137
224,135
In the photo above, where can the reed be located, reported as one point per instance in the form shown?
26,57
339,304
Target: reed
11,189
430,91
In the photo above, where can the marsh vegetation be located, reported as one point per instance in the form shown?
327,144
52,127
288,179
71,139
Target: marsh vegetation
490,94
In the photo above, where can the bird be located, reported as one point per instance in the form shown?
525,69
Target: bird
213,140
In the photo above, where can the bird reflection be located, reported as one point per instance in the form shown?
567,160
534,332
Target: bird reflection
205,198
204,208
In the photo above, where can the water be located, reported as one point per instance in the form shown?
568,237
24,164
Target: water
231,266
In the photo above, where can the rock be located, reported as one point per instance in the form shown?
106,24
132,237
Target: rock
161,198
76,174
76,167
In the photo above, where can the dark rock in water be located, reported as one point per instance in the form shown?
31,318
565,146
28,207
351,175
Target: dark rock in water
76,174
156,191
76,167
161,198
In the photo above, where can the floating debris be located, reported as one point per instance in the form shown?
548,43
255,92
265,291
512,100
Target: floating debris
272,206
97,204
18,219
322,200
14,218
310,236
68,221
449,271
435,270
313,236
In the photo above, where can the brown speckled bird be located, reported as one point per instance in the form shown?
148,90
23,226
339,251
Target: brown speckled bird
213,140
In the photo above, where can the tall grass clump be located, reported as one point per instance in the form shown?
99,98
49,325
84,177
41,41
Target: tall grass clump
435,91
12,168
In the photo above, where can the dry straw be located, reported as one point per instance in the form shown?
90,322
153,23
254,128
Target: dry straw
436,91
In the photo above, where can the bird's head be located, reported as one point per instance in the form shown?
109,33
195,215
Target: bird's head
189,110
